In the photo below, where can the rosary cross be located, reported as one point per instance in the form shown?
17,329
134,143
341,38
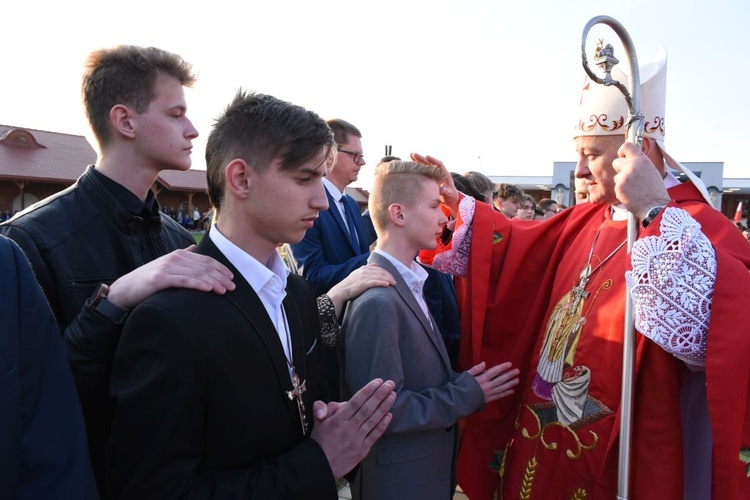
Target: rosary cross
298,389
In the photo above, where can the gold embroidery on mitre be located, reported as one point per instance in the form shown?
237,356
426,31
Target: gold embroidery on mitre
601,121
658,124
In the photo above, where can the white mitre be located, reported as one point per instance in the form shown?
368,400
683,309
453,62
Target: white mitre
603,110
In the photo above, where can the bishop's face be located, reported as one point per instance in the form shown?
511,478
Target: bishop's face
595,156
582,191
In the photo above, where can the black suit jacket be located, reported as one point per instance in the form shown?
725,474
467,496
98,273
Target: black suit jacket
199,381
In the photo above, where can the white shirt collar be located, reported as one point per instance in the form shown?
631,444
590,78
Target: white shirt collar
414,275
671,181
339,198
335,193
271,278
269,282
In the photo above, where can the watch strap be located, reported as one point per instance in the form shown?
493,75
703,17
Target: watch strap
651,215
99,303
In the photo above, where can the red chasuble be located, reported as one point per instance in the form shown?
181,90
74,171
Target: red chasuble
557,437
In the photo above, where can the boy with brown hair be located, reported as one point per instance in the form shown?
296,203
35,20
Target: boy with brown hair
103,245
224,400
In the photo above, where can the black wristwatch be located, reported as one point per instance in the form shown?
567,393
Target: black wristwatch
651,215
100,304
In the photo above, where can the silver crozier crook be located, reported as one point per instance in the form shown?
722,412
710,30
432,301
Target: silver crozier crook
606,60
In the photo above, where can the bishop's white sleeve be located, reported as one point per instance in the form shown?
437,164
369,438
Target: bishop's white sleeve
672,286
455,260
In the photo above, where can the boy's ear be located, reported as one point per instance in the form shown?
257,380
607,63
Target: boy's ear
396,214
121,119
239,178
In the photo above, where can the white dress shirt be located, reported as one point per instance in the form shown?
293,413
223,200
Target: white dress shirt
414,276
338,196
269,282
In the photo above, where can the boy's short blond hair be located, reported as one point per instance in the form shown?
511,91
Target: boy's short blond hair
395,182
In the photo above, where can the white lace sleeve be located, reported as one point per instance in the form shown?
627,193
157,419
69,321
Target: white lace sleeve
455,260
672,285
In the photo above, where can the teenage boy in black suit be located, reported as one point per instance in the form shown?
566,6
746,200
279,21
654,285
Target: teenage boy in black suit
219,402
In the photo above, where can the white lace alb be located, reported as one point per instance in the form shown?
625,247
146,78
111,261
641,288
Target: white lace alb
455,260
672,286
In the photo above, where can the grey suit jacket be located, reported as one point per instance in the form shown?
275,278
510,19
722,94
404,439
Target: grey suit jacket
387,335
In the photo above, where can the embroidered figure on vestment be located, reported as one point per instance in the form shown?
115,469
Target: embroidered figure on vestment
558,378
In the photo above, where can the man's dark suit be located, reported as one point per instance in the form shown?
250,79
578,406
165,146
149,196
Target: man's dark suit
202,411
43,451
328,253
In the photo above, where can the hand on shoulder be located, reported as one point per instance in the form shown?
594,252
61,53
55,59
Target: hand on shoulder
357,282
177,269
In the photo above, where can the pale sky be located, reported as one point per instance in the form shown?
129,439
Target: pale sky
484,85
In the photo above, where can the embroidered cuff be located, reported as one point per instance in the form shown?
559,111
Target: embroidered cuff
455,258
672,286
329,323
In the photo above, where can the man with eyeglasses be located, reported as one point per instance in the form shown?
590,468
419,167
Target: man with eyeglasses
549,207
336,245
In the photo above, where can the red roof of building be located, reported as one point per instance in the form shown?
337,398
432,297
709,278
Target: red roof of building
189,180
360,195
36,155
40,156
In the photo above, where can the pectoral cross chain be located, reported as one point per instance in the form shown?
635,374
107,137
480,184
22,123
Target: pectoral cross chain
298,389
579,291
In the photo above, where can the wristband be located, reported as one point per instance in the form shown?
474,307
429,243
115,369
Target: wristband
99,303
651,215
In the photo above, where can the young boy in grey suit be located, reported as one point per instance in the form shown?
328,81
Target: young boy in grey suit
390,334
